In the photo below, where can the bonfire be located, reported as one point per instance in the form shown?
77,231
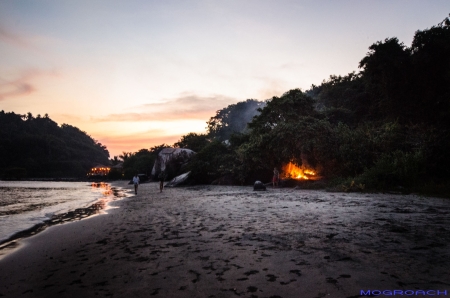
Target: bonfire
292,171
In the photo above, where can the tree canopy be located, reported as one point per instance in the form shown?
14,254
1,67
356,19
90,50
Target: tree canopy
38,147
233,119
386,125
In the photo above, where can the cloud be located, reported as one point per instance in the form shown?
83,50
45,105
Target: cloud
22,84
185,107
13,39
17,87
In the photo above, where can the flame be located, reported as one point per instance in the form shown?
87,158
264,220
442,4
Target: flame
293,171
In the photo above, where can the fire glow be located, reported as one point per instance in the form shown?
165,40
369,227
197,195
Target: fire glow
293,171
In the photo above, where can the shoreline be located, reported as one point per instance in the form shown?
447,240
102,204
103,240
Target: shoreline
13,242
67,179
219,241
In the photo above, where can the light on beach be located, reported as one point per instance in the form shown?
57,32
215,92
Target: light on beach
99,171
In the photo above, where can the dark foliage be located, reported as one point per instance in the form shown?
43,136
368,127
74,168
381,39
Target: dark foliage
40,148
213,161
195,142
140,162
233,119
384,127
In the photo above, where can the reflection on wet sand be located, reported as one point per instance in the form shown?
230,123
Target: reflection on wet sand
106,188
80,213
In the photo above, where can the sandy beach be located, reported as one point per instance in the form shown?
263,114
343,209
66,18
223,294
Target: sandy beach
227,241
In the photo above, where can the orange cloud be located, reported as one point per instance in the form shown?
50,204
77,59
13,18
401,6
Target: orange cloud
22,85
185,107
161,116
17,87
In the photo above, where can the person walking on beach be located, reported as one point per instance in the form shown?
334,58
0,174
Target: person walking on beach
161,177
136,183
276,177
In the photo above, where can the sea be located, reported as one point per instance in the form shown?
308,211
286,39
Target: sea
28,205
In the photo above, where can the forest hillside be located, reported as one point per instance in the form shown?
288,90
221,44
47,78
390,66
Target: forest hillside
37,147
384,127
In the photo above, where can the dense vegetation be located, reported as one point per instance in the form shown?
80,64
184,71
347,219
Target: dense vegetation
232,119
384,127
38,147
140,162
143,160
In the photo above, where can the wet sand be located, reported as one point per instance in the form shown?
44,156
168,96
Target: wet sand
222,241
99,207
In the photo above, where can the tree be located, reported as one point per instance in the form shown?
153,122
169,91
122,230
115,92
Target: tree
195,142
291,106
342,99
430,80
233,119
212,162
114,161
141,161
385,70
125,155
44,149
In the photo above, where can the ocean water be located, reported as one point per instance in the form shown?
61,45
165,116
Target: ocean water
25,204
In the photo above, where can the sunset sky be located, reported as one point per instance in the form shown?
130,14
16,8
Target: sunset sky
134,74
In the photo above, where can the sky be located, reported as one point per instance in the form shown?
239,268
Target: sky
138,73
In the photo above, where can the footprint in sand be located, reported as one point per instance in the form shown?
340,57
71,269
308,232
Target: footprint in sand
271,277
248,273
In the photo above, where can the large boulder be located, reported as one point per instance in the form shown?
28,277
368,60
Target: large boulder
171,160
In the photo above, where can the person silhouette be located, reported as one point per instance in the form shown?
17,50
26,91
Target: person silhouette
161,177
276,177
136,183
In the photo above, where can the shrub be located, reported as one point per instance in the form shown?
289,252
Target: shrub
395,169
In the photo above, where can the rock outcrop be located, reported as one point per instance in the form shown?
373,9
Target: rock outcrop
171,160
